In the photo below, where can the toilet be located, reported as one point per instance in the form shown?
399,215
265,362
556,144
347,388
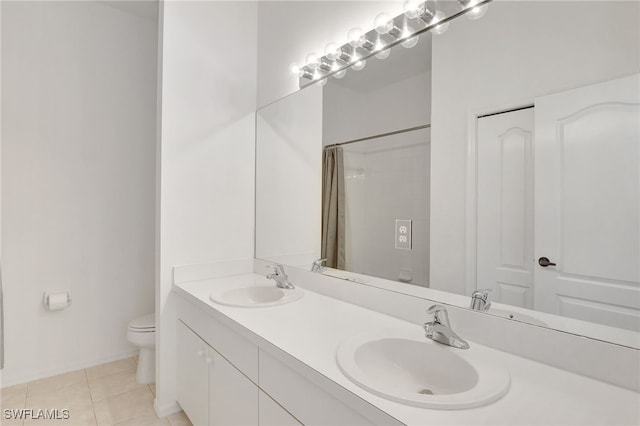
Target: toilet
142,333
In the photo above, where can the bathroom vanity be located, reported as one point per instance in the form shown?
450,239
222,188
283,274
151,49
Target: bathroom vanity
440,202
278,365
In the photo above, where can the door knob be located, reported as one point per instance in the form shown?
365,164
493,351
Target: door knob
544,262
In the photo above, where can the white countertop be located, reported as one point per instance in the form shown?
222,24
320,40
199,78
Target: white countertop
312,328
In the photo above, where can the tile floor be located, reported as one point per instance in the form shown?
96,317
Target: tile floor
105,395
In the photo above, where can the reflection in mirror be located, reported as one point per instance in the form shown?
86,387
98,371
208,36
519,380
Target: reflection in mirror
521,174
384,226
356,154
288,179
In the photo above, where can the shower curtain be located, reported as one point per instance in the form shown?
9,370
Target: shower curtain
333,208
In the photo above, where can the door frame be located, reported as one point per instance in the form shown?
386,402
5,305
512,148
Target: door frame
471,199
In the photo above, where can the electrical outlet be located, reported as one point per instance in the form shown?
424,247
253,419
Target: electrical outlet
403,234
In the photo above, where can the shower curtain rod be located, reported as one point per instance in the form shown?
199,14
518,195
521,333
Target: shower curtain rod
381,135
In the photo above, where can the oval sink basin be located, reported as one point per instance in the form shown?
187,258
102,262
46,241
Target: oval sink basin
421,372
256,296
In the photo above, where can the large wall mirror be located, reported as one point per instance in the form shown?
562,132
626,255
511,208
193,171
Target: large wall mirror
502,156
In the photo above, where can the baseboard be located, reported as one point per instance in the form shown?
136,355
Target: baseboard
166,409
31,376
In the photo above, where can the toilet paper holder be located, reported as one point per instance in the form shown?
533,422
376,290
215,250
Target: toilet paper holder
56,301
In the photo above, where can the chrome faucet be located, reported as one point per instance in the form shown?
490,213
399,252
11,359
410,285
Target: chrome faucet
440,330
480,300
319,265
280,277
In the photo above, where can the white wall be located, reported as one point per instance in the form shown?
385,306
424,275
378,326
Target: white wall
1,302
355,208
505,59
388,179
206,169
354,114
388,95
289,30
78,142
289,162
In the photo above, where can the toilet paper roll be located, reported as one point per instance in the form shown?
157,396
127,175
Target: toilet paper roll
56,301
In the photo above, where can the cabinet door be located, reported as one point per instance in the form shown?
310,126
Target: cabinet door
302,393
271,414
192,378
587,193
233,398
505,206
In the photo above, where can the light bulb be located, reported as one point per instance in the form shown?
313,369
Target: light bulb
410,42
383,23
317,75
382,52
332,51
359,65
477,12
340,74
356,37
413,8
312,60
296,69
441,28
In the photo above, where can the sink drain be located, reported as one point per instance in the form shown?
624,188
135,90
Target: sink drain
425,392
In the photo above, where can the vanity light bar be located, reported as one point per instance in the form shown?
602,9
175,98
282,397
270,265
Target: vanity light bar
387,33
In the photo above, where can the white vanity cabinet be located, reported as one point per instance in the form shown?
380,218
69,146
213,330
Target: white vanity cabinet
224,378
233,399
272,414
312,399
211,391
192,381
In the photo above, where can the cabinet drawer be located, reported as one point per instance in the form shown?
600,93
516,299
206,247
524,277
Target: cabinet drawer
271,414
304,397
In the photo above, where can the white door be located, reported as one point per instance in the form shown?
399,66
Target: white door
505,207
233,398
587,203
192,375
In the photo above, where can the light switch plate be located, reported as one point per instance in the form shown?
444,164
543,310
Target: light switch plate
403,234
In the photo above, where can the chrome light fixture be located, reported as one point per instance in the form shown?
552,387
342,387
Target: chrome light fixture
387,32
475,10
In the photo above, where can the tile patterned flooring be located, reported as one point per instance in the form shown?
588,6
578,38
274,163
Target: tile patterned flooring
105,395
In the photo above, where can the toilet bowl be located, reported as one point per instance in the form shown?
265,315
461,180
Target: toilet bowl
142,333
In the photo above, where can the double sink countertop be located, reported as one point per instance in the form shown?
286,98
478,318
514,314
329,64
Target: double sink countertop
312,328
